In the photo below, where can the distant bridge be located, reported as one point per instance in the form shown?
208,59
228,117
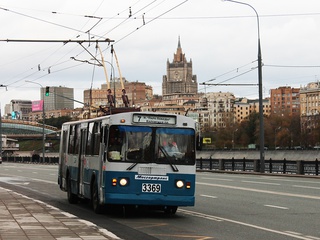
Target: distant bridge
26,129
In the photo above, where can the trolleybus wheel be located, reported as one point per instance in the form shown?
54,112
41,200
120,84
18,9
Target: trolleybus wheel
171,209
72,198
97,207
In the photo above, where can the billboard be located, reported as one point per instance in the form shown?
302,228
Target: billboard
37,105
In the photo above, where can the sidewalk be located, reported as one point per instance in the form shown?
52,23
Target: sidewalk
23,218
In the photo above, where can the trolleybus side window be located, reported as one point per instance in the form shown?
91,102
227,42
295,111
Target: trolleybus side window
77,139
89,139
93,138
71,139
115,143
64,141
96,138
83,139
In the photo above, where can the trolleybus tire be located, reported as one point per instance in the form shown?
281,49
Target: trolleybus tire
97,207
171,209
72,198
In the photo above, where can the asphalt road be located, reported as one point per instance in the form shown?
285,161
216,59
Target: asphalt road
228,206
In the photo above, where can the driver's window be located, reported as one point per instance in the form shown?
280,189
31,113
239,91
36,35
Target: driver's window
115,144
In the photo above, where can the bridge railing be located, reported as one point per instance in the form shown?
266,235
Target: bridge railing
284,166
30,159
299,167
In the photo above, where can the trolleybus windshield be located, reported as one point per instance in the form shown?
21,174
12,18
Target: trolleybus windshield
142,144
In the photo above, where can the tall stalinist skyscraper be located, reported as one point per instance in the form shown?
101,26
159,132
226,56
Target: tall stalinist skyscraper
179,81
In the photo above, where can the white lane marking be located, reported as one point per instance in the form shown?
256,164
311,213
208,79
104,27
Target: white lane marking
219,219
300,186
11,179
208,196
24,183
265,183
261,191
35,172
201,215
274,206
312,237
218,179
34,167
295,233
283,179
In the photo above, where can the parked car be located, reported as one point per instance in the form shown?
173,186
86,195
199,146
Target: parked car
298,148
0,159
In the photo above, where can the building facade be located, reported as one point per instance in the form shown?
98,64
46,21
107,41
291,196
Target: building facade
59,98
135,91
72,113
310,106
18,109
243,107
179,80
285,100
216,110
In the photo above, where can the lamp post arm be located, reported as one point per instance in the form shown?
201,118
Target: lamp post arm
253,10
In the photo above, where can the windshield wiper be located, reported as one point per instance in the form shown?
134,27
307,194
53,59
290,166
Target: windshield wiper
168,158
132,166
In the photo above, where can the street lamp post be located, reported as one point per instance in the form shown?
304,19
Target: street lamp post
262,162
43,121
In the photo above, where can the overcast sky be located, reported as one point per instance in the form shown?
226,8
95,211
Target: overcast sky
219,36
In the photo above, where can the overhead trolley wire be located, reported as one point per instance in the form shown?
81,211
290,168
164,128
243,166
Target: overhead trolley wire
145,23
73,29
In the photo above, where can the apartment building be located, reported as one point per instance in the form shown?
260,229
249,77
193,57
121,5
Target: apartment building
285,100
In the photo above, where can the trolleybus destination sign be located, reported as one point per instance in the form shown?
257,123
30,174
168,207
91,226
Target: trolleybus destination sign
155,119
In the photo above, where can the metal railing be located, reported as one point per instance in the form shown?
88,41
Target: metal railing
300,167
30,159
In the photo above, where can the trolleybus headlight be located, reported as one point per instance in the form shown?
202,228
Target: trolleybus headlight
123,182
188,185
179,184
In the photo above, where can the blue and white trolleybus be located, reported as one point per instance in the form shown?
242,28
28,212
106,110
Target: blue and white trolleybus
133,158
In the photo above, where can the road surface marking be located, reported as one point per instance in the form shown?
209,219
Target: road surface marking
215,218
265,183
218,179
299,186
273,206
261,191
208,196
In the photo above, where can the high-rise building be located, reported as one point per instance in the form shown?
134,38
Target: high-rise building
59,98
179,81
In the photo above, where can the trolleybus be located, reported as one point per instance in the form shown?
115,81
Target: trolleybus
133,158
